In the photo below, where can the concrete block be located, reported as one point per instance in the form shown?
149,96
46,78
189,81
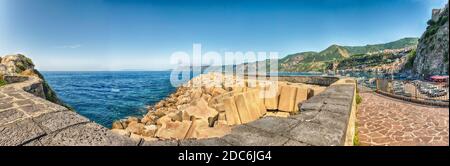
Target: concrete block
271,97
301,96
259,96
231,111
243,108
174,130
200,129
252,105
287,99
203,111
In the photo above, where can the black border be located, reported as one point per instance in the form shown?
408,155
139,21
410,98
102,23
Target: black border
168,155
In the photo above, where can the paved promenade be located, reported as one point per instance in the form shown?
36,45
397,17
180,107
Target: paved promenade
383,120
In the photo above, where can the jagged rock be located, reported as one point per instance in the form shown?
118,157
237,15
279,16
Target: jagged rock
183,100
171,109
222,116
149,119
219,107
159,104
173,130
149,130
200,129
171,100
206,97
203,111
218,91
182,107
196,93
175,116
212,120
117,125
131,119
163,120
135,137
135,127
16,63
160,112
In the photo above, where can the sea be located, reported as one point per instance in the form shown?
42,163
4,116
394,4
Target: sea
111,95
106,96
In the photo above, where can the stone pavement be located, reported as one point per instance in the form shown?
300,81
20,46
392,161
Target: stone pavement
26,119
382,120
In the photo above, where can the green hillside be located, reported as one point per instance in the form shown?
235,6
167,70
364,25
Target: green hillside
319,61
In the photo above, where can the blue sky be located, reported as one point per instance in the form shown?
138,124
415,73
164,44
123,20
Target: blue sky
141,35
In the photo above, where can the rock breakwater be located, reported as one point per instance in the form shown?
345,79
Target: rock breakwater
210,104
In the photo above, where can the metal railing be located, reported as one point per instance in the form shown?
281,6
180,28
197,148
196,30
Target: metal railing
418,90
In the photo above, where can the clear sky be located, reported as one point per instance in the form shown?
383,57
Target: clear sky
141,35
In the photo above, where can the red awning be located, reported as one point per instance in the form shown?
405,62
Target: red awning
438,78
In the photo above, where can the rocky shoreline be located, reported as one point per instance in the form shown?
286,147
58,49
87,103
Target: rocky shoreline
209,105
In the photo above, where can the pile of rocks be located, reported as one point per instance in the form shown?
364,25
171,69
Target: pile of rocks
210,104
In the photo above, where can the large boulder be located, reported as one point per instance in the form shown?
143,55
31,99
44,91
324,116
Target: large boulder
17,63
173,130
200,110
136,128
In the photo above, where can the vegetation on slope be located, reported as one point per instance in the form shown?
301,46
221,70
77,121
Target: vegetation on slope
2,81
410,59
364,60
320,61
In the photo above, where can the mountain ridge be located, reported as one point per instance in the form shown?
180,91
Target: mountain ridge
309,61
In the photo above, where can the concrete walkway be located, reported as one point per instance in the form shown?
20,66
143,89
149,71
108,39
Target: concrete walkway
26,119
382,120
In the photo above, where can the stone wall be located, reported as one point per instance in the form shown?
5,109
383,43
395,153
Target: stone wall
314,80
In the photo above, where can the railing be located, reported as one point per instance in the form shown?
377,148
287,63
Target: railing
417,90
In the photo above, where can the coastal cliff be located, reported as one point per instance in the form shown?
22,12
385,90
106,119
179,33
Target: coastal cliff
432,50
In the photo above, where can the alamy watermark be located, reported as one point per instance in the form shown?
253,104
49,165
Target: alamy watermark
240,68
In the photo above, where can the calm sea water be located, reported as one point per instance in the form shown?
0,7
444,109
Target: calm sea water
107,96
